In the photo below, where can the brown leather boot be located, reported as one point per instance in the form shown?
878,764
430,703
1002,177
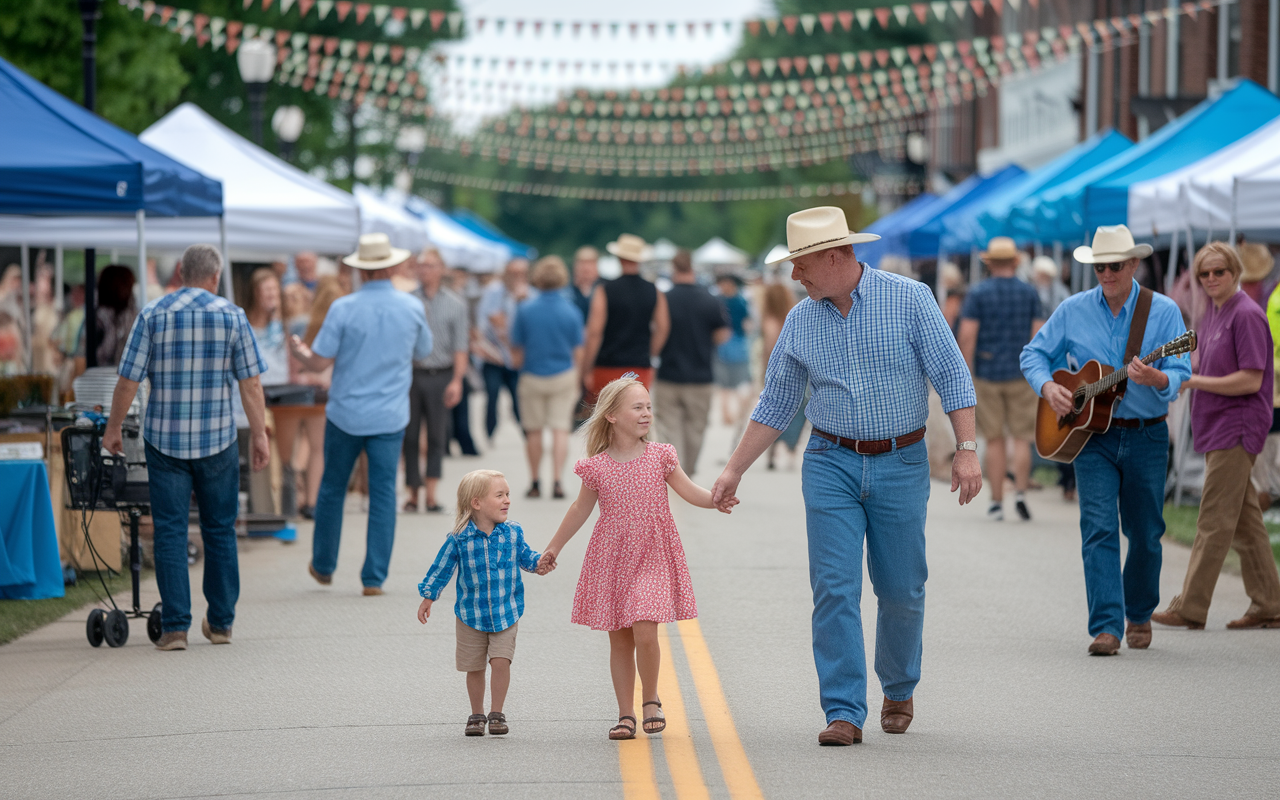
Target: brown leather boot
1104,645
895,715
1252,621
1138,636
1175,620
840,734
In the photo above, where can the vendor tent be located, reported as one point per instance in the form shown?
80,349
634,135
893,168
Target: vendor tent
717,253
458,245
487,230
924,240
1256,204
378,215
888,226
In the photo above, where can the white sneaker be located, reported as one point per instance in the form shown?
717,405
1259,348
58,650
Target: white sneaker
995,513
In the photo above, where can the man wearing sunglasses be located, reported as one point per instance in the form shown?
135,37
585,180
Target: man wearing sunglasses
1133,453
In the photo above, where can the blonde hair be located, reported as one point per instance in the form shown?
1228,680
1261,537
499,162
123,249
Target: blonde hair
472,487
549,273
1230,259
599,428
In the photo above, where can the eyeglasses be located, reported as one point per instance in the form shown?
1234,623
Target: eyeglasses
1220,272
1101,268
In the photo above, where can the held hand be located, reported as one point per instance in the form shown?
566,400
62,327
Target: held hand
261,452
453,393
113,440
298,347
724,491
1189,383
547,563
424,610
1143,375
1058,398
966,475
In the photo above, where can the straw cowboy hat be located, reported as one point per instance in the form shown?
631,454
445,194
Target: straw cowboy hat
1001,248
629,247
1044,265
817,229
1257,260
376,252
1111,244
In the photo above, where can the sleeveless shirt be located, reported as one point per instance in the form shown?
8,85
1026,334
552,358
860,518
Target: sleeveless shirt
631,300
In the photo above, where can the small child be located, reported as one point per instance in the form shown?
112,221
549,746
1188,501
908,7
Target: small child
634,574
486,550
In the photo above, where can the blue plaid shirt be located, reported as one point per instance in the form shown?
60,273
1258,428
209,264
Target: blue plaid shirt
868,370
490,591
194,346
1004,309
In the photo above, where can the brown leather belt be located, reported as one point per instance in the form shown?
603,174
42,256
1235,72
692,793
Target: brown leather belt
866,447
1137,423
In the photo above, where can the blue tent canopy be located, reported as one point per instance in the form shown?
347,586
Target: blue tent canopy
59,158
924,240
482,227
889,225
1100,196
976,225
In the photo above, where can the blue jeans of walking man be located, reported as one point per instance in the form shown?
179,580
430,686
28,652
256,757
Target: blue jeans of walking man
1121,477
341,450
881,499
216,483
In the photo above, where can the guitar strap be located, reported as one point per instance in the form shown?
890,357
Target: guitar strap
1137,328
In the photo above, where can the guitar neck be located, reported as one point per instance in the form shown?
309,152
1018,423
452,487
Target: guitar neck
1108,382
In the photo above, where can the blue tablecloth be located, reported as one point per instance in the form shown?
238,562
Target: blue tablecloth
29,565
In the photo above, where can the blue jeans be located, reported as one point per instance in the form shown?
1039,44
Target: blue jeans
1122,470
881,499
216,482
341,450
495,377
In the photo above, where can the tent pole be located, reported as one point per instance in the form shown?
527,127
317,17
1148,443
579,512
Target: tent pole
1172,32
975,271
1171,274
227,290
1191,247
57,278
26,305
938,288
90,307
142,257
1235,197
1091,98
1144,73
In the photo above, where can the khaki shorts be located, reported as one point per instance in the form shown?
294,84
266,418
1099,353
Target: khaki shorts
475,648
1006,405
548,401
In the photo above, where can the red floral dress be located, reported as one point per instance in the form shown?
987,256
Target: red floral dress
634,568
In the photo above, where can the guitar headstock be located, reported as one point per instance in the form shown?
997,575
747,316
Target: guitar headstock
1185,343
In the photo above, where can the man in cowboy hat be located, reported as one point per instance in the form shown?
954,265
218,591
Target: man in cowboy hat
870,343
371,338
628,323
999,317
1134,452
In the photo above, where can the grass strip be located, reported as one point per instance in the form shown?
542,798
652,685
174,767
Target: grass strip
19,617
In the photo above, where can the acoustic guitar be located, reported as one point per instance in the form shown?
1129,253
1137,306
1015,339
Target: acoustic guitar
1095,390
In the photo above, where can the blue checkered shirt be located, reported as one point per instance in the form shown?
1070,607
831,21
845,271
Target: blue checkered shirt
194,346
868,370
1004,309
490,591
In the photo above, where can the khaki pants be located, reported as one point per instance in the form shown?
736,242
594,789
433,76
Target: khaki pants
681,411
1229,518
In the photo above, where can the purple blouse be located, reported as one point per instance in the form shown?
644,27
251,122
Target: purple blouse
1233,338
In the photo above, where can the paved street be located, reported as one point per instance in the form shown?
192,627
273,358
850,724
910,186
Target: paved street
327,694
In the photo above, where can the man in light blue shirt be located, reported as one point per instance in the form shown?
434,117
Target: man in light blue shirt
371,338
1134,453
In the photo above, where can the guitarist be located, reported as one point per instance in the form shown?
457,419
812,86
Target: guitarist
1116,322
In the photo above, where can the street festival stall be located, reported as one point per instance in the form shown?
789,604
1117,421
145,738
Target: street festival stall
378,215
458,245
488,231
890,223
60,162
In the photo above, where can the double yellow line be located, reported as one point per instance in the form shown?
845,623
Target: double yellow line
635,757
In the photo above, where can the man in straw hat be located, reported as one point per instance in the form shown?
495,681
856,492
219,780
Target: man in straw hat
870,343
371,338
999,317
1133,454
628,323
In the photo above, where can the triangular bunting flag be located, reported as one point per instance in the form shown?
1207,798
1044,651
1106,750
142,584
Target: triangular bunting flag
770,25
379,51
978,6
833,63
247,3
455,22
304,7
753,66
807,21
882,56
753,27
846,19
362,11
921,11
736,68
784,64
1016,4
931,52
828,20
346,47
362,49
1191,10
815,64
998,5
899,55
285,5
380,14
864,17
865,57
958,6
913,52
902,13
216,24
882,16
939,10
344,8
790,24
330,45
323,7
799,64
848,60
769,65
418,15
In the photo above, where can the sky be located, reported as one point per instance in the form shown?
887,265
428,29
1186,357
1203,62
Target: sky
471,89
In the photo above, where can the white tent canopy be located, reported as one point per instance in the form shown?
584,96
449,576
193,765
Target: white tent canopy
378,215
719,253
1200,195
1257,201
459,246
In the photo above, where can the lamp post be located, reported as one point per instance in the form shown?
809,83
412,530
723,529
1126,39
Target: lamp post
88,55
256,59
411,140
287,122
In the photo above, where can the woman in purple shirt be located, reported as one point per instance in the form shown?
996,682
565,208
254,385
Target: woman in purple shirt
1230,417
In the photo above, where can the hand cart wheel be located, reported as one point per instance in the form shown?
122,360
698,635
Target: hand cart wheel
116,630
94,628
154,630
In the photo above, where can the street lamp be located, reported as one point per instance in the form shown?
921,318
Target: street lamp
257,61
287,122
411,140
88,54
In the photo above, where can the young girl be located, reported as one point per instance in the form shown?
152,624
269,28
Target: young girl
486,550
634,574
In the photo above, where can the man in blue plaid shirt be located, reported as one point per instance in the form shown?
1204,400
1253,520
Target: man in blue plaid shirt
193,345
869,343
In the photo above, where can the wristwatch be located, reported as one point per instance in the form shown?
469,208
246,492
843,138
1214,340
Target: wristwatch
967,446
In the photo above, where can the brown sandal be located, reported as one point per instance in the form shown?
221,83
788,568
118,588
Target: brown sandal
497,723
475,725
622,731
662,721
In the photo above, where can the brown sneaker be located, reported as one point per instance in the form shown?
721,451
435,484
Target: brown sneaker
498,723
215,635
323,580
1251,621
372,591
1104,645
895,715
1138,636
1175,620
172,640
840,734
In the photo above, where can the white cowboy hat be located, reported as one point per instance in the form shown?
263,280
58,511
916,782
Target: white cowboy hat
1111,245
629,247
817,229
1000,248
1257,261
376,252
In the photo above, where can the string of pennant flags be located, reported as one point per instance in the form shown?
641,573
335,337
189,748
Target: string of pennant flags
641,195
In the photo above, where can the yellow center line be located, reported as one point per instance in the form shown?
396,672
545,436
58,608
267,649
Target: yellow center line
636,763
677,740
738,775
